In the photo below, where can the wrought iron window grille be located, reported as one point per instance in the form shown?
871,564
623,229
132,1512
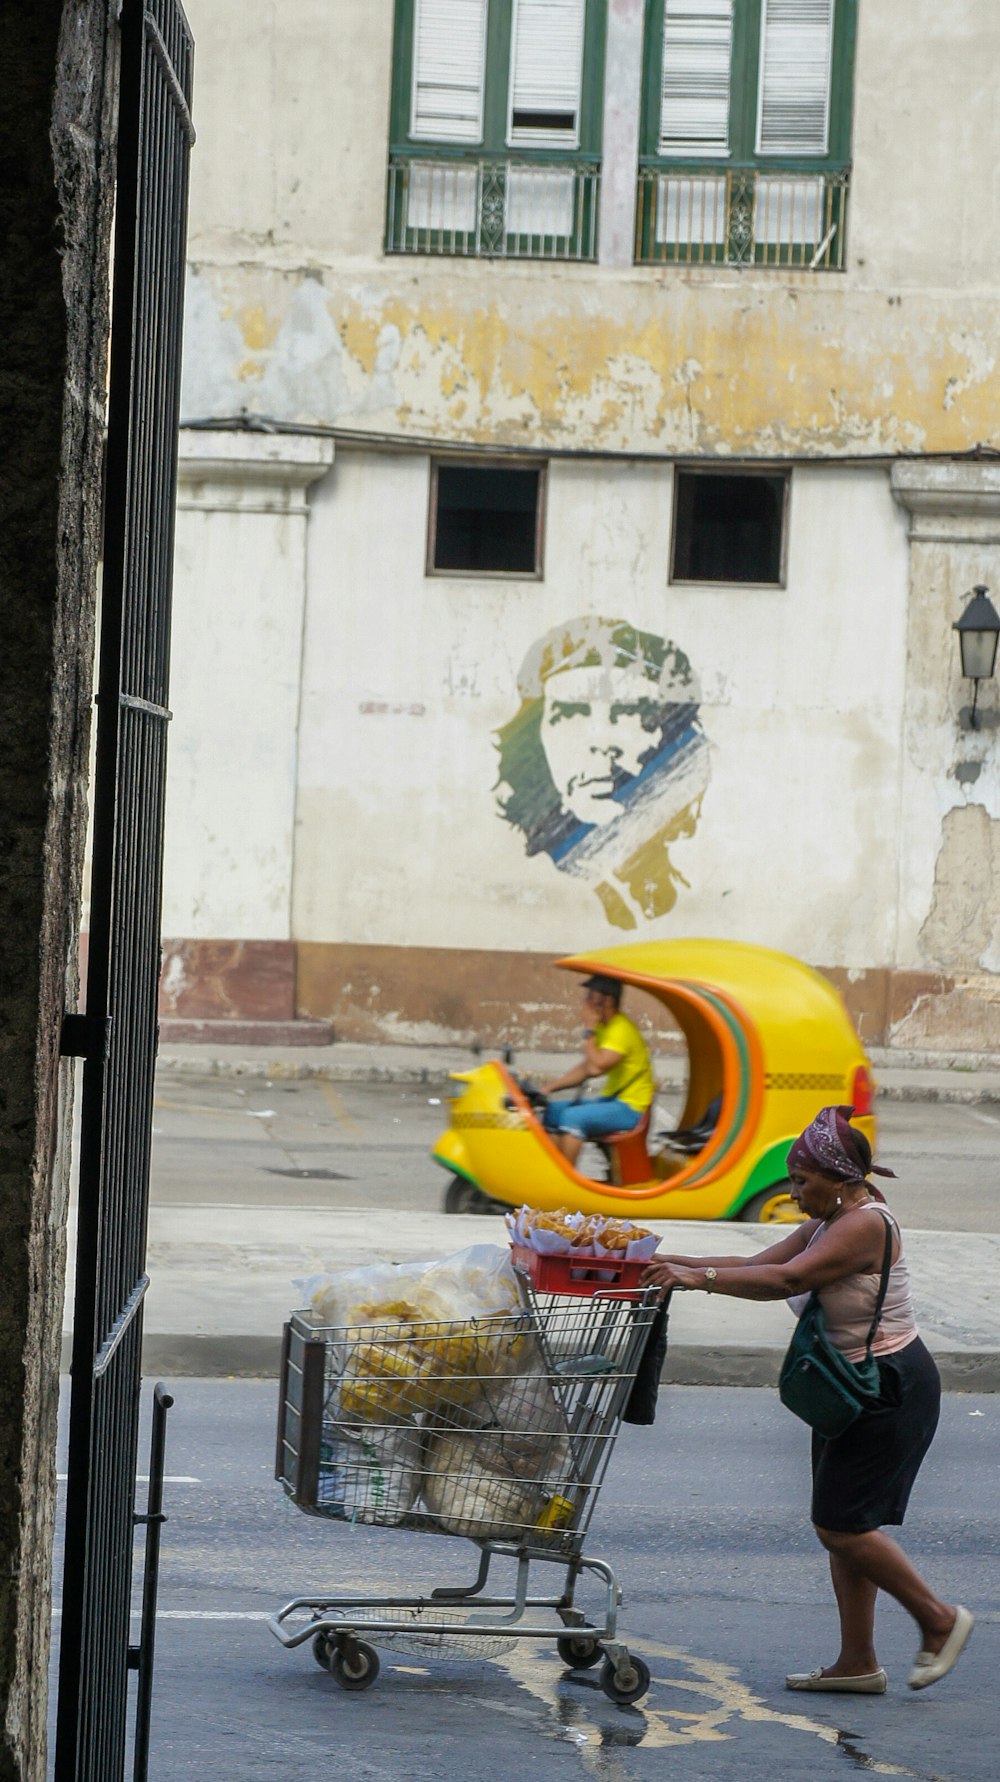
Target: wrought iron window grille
760,216
492,207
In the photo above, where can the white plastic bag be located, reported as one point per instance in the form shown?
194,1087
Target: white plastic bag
493,1483
419,1338
475,1283
470,1492
369,1475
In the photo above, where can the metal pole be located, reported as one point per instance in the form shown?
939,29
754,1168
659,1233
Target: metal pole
141,1656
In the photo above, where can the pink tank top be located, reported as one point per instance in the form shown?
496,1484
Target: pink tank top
849,1305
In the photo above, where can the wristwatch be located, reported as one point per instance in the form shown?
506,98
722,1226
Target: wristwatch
710,1278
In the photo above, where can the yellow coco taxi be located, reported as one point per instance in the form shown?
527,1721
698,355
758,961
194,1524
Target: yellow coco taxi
769,1042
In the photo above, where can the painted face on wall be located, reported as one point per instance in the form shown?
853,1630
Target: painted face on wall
604,765
598,727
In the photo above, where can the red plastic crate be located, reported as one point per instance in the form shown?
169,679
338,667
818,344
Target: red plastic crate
617,1278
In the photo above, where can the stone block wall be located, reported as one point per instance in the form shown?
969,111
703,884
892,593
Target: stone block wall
57,82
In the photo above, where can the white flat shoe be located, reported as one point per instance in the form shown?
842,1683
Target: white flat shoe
929,1666
869,1683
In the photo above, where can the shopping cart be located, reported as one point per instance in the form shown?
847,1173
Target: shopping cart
498,1429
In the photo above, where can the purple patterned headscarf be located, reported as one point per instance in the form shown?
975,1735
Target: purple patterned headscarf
833,1146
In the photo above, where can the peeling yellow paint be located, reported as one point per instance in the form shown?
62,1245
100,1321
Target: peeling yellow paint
452,378
700,369
248,369
259,330
360,335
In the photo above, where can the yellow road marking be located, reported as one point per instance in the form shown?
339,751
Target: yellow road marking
337,1108
705,1703
183,1107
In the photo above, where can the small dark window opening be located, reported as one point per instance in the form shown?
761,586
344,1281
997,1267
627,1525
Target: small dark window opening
485,519
543,120
728,528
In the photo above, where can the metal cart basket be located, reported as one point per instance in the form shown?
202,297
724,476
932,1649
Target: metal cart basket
499,1429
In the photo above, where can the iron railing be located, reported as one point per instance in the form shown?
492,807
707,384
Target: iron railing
117,1034
492,207
742,216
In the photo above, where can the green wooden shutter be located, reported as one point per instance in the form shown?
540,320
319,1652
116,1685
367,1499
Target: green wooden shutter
796,42
695,77
449,68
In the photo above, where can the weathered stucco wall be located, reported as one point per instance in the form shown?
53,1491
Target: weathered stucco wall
239,597
950,791
339,824
825,714
55,127
697,367
410,680
295,312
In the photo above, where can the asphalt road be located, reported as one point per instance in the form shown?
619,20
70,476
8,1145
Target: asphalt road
226,1142
704,1518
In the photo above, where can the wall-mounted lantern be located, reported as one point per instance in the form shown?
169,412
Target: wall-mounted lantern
978,633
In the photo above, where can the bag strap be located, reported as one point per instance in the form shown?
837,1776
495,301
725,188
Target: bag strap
883,1285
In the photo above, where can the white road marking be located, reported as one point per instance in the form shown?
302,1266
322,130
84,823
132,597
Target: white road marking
210,1614
198,1614
143,1479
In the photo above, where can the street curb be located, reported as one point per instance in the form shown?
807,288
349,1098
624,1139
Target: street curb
956,1095
687,1364
436,1076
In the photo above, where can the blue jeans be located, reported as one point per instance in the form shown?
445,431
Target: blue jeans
591,1119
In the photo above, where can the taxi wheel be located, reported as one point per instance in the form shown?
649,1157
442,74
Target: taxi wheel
462,1196
774,1206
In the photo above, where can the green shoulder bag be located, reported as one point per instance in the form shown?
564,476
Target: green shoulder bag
817,1382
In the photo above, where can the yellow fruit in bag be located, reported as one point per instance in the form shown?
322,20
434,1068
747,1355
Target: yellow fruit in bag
457,1354
383,1386
390,1380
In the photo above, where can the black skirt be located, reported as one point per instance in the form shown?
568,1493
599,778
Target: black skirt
863,1478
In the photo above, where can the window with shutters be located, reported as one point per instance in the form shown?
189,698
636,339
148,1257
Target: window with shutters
746,132
496,128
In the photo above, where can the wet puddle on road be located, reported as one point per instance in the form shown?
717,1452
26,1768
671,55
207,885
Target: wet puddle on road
692,1701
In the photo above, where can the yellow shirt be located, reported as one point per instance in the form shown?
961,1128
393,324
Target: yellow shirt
631,1079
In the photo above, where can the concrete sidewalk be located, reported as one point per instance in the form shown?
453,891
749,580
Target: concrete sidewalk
222,1285
900,1076
222,1275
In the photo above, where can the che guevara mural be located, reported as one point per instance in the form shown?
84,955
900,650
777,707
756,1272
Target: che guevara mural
605,763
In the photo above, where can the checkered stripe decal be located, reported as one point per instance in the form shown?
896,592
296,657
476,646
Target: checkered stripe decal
487,1122
801,1080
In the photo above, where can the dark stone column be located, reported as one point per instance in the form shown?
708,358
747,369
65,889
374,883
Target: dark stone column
57,84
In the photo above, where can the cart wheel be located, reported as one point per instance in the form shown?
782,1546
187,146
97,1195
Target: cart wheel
322,1648
359,1671
578,1652
462,1196
628,1682
774,1206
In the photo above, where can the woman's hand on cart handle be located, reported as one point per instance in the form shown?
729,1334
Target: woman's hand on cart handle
662,1272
